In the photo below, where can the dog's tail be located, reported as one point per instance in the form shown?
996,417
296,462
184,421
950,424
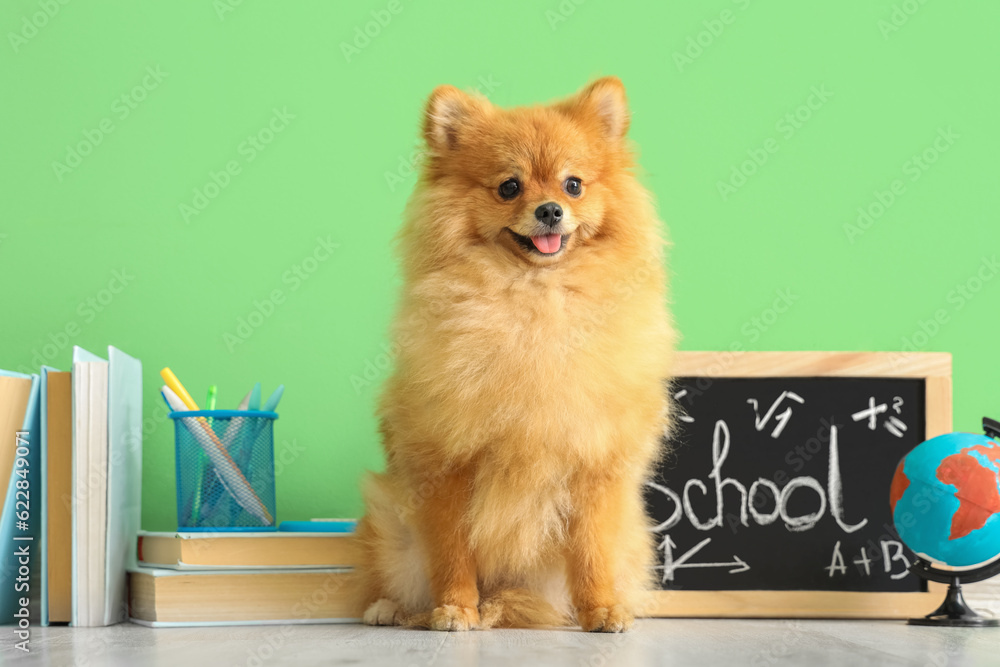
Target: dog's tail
510,608
519,608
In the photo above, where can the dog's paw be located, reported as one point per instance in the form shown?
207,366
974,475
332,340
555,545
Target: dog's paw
383,612
605,619
451,618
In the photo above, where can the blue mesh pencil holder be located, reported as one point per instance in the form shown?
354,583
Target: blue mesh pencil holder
225,470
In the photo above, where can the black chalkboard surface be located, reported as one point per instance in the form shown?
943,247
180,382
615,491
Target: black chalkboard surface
802,446
782,484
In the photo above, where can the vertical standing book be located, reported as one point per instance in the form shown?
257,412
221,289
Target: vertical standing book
107,469
57,515
70,475
20,483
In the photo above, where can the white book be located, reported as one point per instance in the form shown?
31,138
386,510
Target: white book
90,492
107,477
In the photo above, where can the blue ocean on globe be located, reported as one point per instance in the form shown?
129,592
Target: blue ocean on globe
945,499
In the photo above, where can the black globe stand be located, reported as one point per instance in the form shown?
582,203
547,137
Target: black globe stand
954,612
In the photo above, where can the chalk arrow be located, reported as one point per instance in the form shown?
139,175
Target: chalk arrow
671,565
742,566
668,558
738,565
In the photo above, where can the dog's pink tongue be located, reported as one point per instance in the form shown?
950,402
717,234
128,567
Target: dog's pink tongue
548,244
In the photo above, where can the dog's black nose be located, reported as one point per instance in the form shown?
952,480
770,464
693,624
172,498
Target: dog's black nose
549,214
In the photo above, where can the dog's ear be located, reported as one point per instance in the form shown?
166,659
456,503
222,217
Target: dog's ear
603,101
448,111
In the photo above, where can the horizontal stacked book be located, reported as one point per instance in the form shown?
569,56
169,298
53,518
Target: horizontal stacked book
238,578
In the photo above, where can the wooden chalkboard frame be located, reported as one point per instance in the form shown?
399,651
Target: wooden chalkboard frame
932,367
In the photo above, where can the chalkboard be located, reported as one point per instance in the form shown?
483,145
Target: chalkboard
777,479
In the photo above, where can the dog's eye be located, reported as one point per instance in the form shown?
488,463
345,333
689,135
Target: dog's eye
510,188
573,186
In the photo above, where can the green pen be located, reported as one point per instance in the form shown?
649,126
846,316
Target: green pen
210,401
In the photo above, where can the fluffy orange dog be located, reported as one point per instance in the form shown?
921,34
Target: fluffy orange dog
528,402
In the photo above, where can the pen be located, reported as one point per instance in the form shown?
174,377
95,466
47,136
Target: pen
199,484
229,438
233,480
210,399
178,389
255,398
272,400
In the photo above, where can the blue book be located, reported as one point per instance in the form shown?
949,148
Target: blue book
319,526
124,473
20,477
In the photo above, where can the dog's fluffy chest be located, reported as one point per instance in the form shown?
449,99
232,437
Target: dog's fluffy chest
527,364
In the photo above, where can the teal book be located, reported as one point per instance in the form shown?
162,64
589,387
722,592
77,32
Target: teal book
124,479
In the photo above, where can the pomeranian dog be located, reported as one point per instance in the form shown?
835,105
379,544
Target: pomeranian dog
527,402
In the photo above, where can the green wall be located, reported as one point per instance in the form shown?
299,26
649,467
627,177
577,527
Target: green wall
841,104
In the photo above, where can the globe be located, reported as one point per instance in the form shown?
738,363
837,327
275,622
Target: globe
945,499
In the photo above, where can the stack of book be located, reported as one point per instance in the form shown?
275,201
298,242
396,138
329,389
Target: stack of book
235,578
71,467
